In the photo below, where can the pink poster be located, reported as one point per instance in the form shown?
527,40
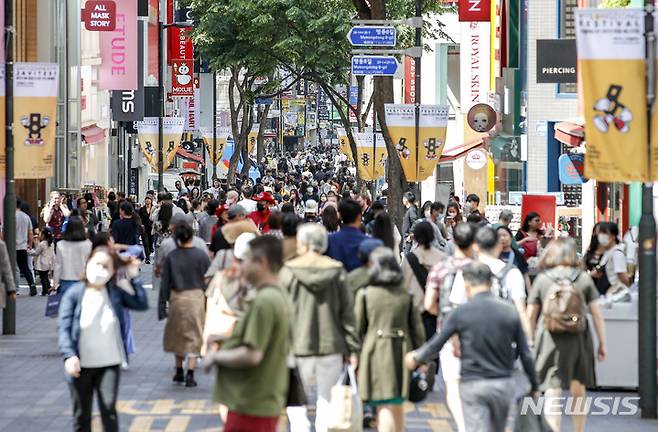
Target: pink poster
118,70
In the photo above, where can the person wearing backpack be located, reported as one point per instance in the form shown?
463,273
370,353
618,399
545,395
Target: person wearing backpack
564,358
445,276
415,269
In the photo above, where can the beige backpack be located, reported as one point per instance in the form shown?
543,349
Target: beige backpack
564,307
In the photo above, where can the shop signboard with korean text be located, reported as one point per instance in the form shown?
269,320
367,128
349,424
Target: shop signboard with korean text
119,67
35,119
611,47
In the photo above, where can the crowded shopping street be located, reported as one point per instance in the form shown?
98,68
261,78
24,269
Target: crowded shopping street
328,216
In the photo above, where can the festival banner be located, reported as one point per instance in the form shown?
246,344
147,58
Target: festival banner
252,138
222,134
344,143
371,155
611,47
119,65
35,119
418,163
147,130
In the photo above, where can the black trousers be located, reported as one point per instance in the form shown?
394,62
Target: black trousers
21,261
45,281
105,383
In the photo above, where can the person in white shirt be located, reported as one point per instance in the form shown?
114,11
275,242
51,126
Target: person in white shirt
247,203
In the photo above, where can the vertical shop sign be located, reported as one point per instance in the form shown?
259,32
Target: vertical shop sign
474,10
35,119
128,105
180,44
409,80
610,44
118,69
474,63
182,82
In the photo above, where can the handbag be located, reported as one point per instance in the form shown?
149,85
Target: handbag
296,395
421,383
52,305
220,319
345,409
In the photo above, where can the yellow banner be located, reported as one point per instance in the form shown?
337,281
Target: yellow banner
148,139
344,143
611,61
222,134
418,162
35,119
371,155
252,138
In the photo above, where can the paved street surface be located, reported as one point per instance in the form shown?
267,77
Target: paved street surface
35,397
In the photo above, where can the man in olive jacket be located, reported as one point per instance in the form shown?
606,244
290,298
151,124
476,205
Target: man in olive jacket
323,322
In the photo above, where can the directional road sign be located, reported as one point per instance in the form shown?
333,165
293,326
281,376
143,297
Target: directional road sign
375,65
385,36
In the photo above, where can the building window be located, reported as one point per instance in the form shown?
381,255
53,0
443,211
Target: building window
568,31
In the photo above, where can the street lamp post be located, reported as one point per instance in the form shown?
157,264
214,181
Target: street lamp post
417,63
161,28
214,124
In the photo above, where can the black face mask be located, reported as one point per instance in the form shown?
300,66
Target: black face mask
260,207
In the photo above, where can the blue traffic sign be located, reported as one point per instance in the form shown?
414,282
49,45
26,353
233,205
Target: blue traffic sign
354,95
383,36
264,101
374,65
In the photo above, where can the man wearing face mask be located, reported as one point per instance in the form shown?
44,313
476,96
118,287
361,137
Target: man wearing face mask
260,217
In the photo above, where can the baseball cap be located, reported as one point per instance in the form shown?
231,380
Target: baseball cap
236,210
311,206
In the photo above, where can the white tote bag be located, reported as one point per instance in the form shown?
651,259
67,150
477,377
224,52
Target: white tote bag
345,410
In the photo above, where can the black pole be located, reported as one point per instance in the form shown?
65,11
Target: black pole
647,238
418,43
66,92
161,102
129,157
374,146
214,124
9,313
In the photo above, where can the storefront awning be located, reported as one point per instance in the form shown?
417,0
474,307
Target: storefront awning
569,133
93,134
190,156
460,150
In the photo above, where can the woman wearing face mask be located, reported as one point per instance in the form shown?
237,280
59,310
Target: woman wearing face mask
323,202
182,287
510,255
453,217
91,329
611,273
296,201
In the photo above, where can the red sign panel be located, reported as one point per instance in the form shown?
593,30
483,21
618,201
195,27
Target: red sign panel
182,80
100,15
409,80
180,45
475,10
545,206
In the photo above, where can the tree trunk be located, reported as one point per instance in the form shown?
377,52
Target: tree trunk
235,157
260,148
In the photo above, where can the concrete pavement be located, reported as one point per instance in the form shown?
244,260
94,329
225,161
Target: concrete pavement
35,396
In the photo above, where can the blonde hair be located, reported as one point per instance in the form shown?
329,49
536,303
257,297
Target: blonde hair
559,252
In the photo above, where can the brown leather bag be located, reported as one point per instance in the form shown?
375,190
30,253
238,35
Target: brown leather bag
564,307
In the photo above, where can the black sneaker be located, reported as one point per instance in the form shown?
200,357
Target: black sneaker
33,291
189,379
179,378
147,261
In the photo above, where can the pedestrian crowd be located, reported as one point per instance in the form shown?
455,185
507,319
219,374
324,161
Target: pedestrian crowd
297,284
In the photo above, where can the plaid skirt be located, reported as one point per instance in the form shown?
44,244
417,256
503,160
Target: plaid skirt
183,332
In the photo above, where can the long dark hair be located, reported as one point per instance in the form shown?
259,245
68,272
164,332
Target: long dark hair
330,218
75,230
454,205
165,214
383,230
526,222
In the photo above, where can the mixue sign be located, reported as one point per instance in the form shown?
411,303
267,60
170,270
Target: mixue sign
182,82
100,15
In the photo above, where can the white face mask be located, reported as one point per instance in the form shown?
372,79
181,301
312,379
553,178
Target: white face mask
604,239
97,275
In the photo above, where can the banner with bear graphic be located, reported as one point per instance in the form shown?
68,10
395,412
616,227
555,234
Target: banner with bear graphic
172,130
35,119
371,155
418,161
611,52
344,143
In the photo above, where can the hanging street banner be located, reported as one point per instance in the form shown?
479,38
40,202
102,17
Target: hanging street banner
119,66
190,109
371,155
99,15
611,54
375,65
344,143
222,134
380,36
182,80
252,138
35,119
474,63
129,105
433,122
148,139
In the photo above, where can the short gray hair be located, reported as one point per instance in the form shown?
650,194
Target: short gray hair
314,236
506,215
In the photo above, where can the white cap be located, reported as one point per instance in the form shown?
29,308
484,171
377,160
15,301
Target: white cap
241,246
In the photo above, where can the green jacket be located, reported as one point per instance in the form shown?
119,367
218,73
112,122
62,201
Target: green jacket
357,279
323,311
390,326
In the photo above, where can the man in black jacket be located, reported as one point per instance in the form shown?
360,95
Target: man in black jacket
411,215
491,335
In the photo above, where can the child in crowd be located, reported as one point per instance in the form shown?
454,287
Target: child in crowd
44,259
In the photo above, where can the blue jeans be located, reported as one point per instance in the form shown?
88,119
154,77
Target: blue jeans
66,284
